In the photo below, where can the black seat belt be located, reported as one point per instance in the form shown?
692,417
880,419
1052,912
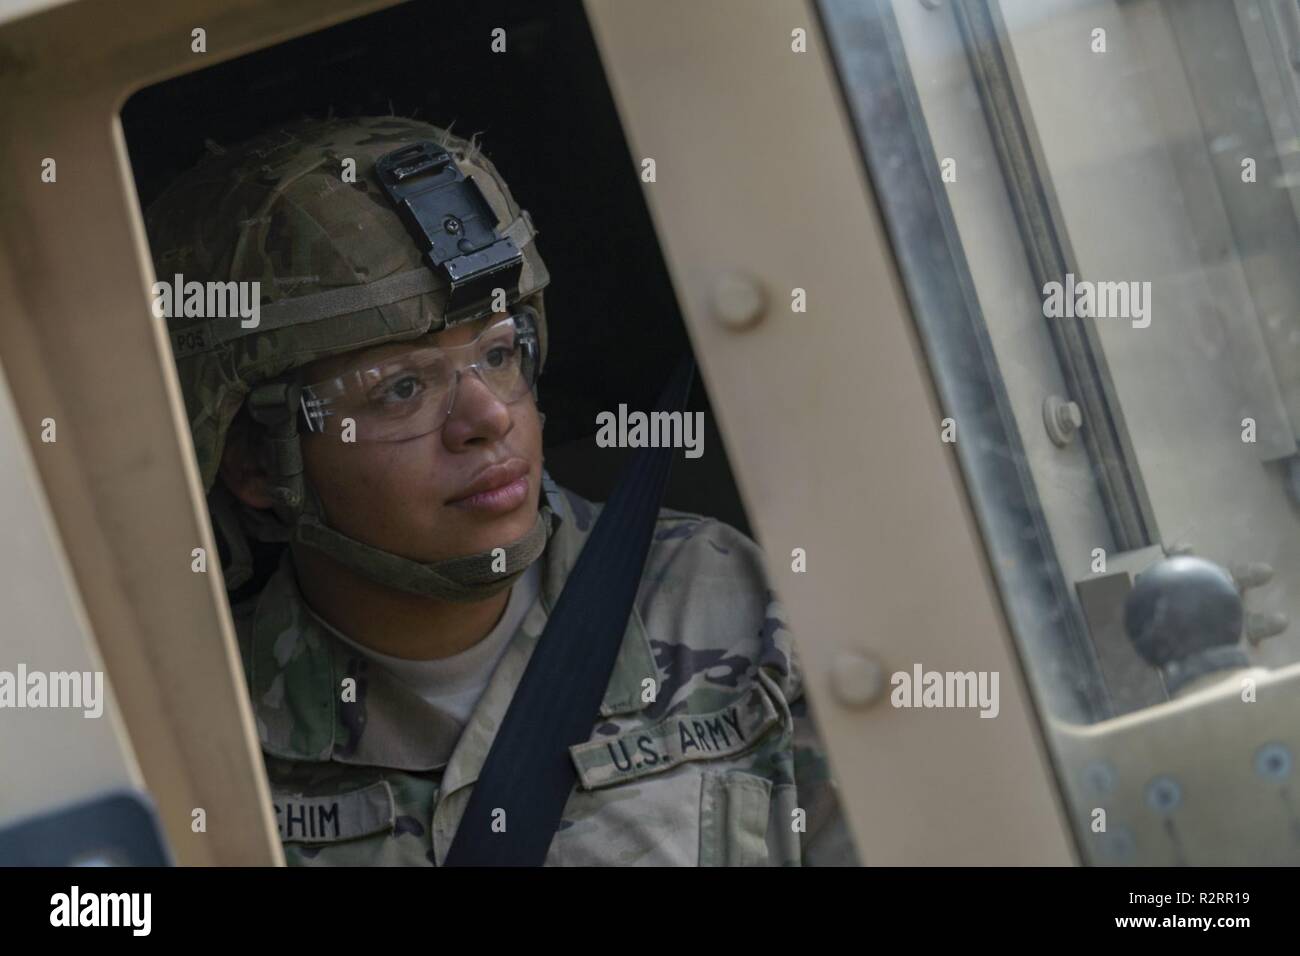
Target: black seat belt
528,772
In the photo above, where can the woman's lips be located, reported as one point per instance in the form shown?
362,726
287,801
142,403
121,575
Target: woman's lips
497,501
498,488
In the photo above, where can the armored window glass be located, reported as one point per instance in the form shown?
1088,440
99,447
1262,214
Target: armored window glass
1095,212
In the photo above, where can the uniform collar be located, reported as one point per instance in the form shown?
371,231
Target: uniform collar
305,709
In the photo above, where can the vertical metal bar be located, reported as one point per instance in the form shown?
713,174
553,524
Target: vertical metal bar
882,100
1047,248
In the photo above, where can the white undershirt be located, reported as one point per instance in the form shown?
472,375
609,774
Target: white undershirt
454,684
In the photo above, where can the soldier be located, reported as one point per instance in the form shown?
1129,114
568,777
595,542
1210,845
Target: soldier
379,418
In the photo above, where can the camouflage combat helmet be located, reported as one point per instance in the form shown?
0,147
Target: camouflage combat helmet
314,213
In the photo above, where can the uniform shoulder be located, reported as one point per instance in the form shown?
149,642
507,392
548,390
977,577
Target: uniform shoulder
694,544
709,607
675,530
685,546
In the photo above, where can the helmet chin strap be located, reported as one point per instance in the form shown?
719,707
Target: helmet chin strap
464,579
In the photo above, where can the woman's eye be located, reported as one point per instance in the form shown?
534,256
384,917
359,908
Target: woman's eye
402,390
499,356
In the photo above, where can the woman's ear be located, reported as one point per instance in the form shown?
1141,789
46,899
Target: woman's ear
242,469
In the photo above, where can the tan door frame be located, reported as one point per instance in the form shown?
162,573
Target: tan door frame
831,421
80,347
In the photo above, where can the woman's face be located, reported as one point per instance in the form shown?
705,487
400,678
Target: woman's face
470,486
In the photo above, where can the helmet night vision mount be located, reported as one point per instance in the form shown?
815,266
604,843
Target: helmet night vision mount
450,219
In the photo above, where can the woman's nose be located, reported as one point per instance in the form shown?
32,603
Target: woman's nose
476,414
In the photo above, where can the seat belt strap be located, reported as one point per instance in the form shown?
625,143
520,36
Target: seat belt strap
528,772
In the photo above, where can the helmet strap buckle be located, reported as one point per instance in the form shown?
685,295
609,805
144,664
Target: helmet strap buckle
275,405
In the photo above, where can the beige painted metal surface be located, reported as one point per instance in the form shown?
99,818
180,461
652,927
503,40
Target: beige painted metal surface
79,346
830,420
50,756
1224,801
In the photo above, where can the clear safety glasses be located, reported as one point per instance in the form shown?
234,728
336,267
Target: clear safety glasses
412,393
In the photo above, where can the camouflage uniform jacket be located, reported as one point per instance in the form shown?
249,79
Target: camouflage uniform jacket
708,768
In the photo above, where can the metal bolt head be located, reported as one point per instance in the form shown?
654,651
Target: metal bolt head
1251,574
1062,418
1164,795
1261,625
857,680
738,300
1273,761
